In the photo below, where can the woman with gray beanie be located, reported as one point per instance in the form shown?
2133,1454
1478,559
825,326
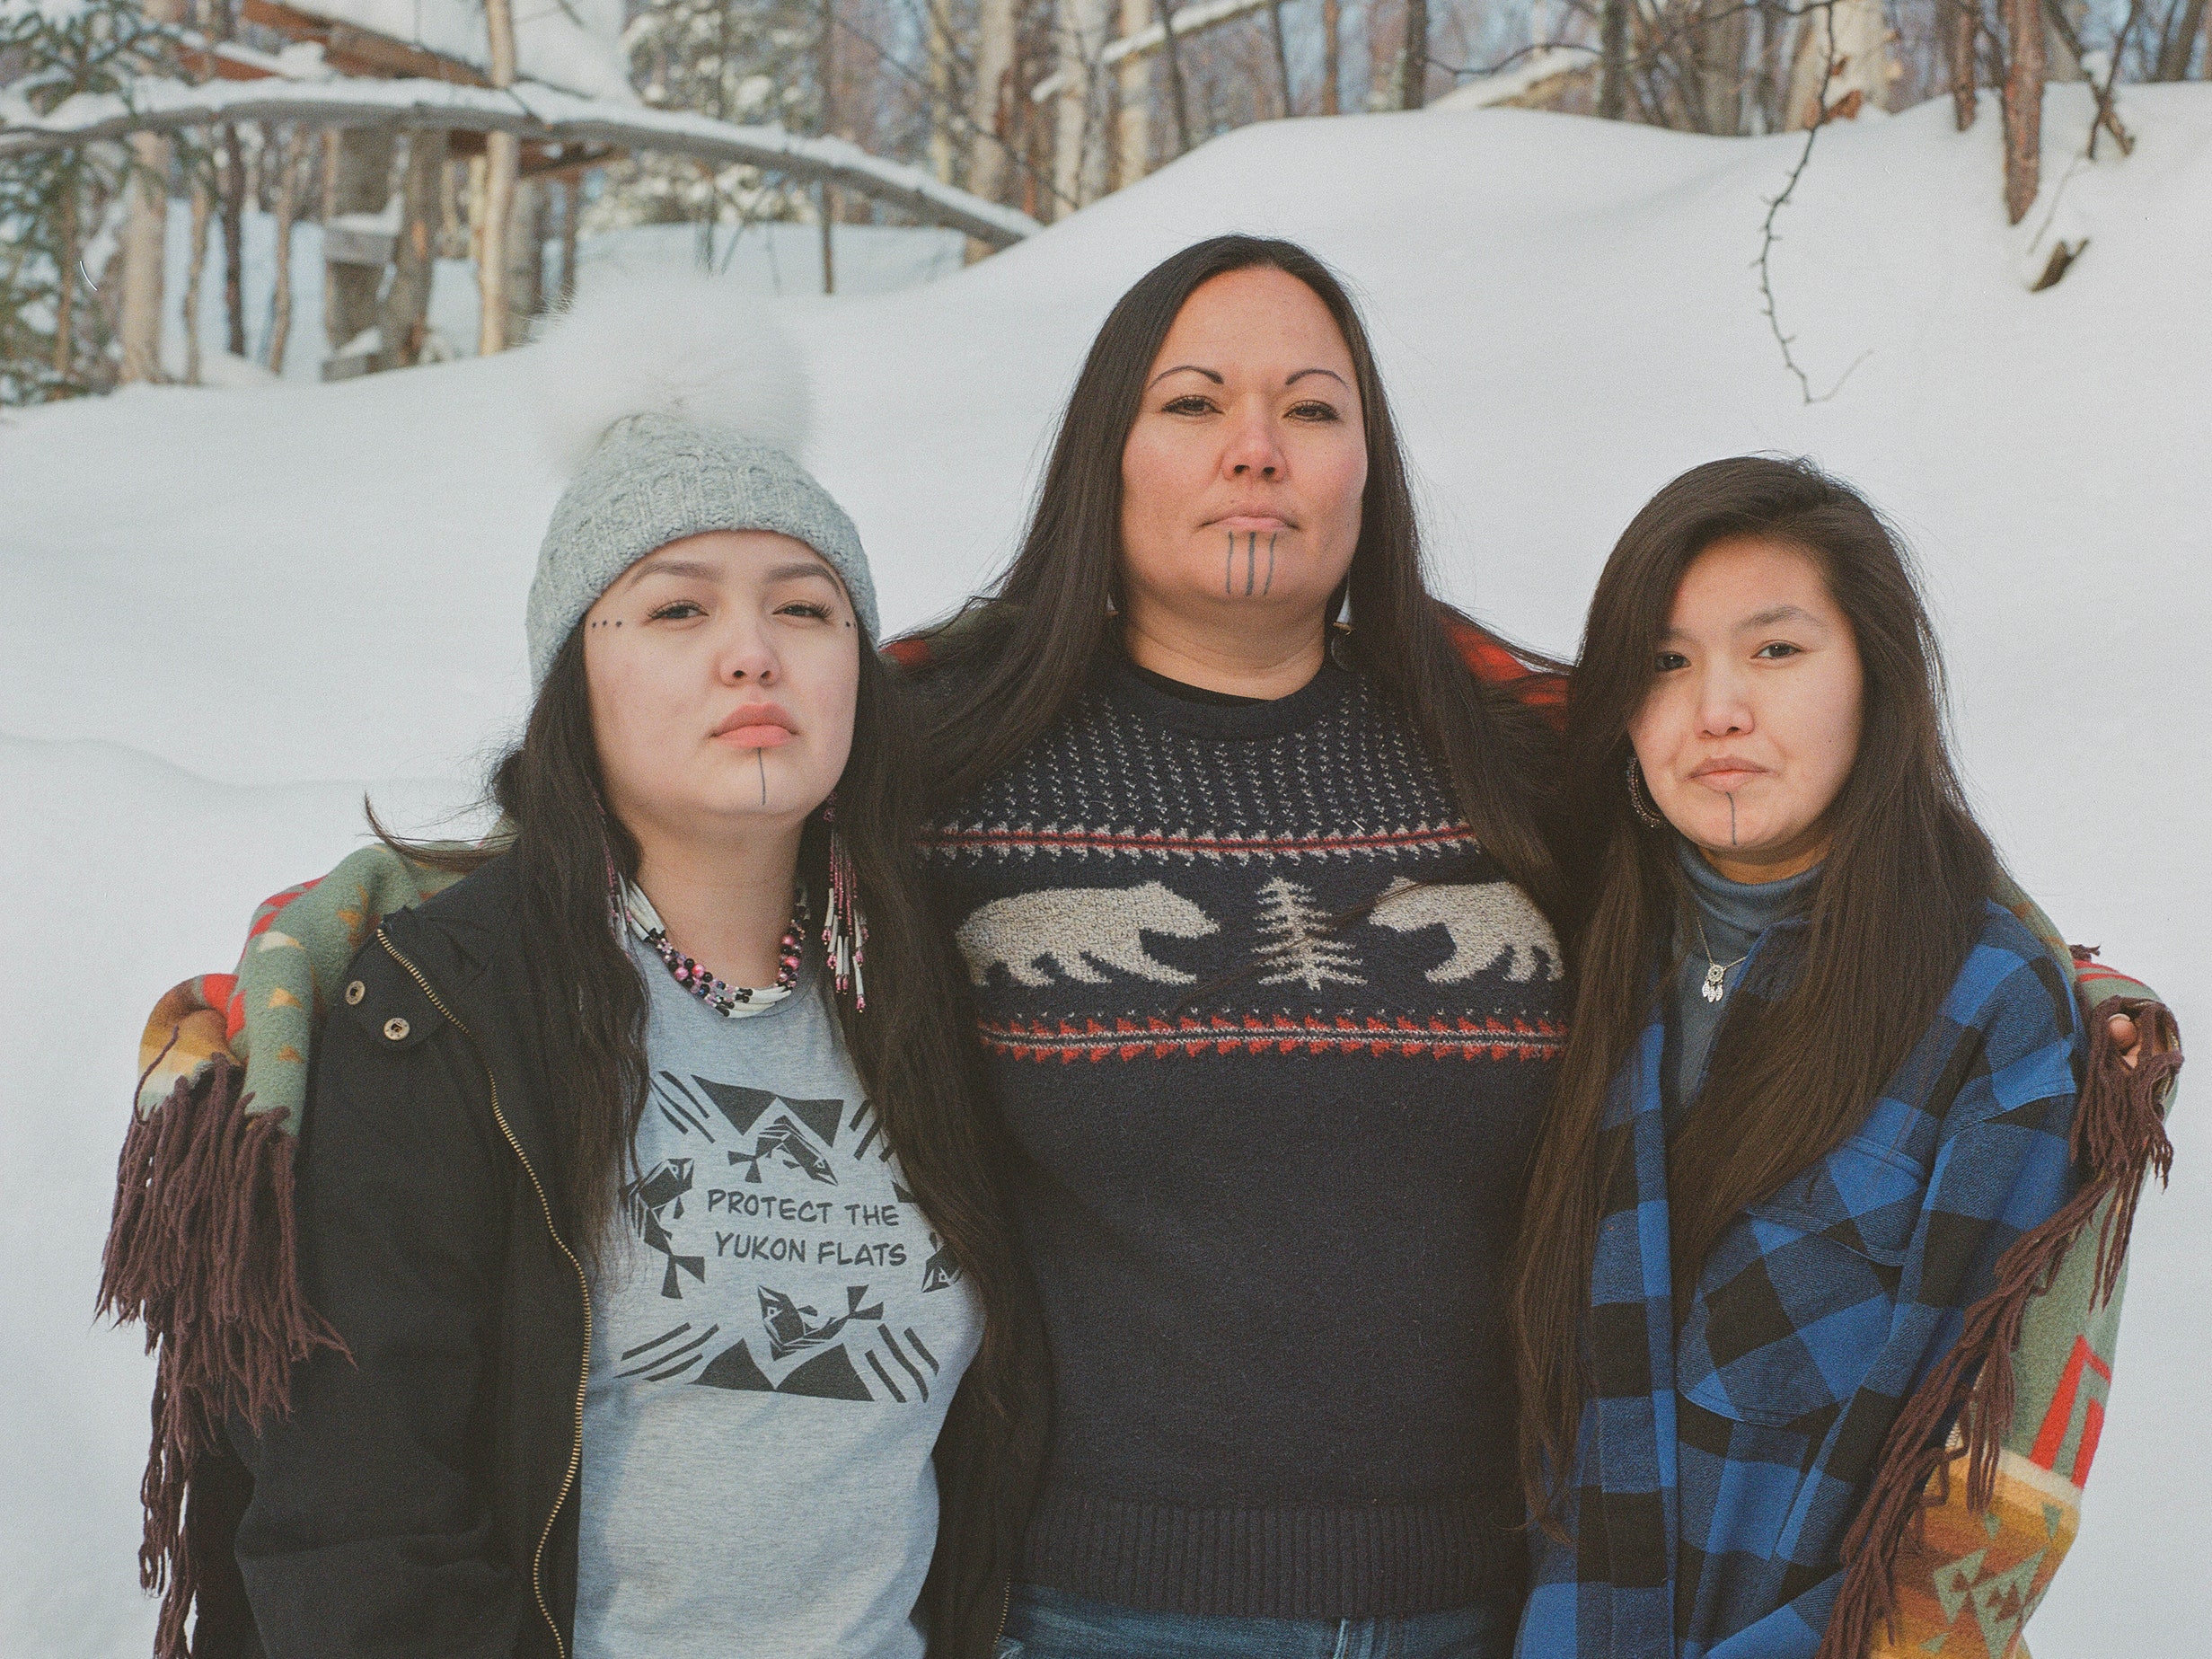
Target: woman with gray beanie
642,1185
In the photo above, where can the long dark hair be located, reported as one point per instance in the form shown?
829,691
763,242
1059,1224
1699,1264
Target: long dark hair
1017,658
912,1048
1896,908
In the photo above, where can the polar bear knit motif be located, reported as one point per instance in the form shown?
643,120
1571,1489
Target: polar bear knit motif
1065,925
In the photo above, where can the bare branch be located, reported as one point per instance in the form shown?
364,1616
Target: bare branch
1769,235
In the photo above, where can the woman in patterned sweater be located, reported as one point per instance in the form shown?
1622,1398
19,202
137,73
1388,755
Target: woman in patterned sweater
1252,907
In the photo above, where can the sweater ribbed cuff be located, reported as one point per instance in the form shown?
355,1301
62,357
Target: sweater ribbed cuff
1353,1561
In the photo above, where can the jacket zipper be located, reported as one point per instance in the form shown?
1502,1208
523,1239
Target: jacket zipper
1005,1612
583,1285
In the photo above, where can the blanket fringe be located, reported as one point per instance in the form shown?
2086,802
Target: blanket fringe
2118,1138
202,1249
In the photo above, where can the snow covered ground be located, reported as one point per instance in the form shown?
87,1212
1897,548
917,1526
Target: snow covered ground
228,613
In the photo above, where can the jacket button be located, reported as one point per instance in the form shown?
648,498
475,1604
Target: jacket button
396,1030
355,993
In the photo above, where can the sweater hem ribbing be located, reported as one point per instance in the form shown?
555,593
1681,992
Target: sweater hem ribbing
1324,1561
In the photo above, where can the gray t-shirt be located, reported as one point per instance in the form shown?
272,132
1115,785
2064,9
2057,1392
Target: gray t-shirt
776,1336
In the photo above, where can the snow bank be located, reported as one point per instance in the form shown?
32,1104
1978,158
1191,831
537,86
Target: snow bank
228,611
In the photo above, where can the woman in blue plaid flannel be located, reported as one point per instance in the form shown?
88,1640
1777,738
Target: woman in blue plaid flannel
1818,1079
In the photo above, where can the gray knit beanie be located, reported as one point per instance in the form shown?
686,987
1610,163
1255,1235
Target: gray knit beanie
676,413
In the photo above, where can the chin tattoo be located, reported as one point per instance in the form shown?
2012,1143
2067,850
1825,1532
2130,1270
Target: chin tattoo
1258,582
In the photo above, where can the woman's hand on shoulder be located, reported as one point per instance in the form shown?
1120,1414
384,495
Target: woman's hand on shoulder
2133,1045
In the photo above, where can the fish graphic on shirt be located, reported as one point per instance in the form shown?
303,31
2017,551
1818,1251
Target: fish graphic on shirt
942,1270
654,1200
792,1328
784,1139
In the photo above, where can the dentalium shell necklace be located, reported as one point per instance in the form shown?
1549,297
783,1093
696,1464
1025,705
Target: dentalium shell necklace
727,999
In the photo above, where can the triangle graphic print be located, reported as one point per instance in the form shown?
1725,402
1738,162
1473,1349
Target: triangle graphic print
735,1368
828,1375
742,1107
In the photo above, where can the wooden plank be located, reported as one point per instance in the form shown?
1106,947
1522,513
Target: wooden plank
209,66
353,50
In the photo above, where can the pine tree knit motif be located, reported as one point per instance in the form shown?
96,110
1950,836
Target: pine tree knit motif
1297,941
1272,1031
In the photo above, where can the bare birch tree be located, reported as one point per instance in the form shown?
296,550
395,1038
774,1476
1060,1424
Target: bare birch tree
2178,44
1077,159
987,109
196,263
1413,66
402,318
146,237
1843,63
1133,126
1613,59
231,180
1332,54
1961,22
1177,97
942,66
2026,59
502,169
292,160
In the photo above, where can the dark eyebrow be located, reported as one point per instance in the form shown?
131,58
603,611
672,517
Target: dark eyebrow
1185,368
1775,614
798,567
700,571
658,566
1331,373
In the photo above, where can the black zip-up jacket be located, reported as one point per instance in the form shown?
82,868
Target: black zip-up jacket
419,1499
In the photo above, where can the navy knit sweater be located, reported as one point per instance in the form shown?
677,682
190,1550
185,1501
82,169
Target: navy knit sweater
1273,1142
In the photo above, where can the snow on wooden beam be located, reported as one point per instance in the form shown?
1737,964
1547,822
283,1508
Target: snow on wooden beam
1188,21
538,114
351,50
1530,74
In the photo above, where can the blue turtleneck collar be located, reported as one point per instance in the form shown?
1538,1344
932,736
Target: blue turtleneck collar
1734,914
1741,911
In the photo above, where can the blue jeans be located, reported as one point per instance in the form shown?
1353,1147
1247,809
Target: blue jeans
1043,1624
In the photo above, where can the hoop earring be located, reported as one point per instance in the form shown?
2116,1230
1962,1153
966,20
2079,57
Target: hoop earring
844,930
1340,646
1651,820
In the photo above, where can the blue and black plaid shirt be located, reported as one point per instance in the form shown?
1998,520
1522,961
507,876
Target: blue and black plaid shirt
1719,1467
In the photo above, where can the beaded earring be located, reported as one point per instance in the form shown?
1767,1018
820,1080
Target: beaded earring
844,930
1651,820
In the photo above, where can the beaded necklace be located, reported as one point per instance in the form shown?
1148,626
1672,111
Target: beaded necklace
731,1001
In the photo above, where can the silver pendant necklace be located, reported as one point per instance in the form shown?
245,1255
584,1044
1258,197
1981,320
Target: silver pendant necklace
1716,973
